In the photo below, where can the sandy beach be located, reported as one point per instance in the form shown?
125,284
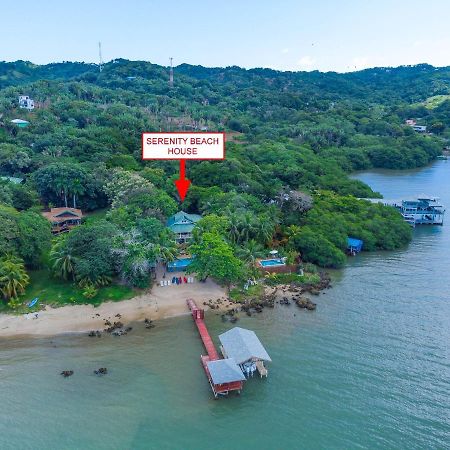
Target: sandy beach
159,303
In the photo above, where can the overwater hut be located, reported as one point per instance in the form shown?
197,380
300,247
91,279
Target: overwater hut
223,372
244,347
224,375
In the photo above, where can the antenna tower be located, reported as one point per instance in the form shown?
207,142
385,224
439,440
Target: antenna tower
100,60
171,72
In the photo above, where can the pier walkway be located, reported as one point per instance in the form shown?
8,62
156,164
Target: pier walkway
223,375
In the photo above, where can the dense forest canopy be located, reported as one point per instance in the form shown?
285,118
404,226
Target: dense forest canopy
292,140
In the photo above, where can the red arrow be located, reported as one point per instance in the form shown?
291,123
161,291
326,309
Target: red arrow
182,184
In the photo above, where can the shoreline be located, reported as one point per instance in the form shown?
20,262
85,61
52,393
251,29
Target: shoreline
156,304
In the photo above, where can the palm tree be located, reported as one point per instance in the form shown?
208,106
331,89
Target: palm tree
61,188
246,226
62,259
77,189
250,252
167,251
13,277
234,231
266,229
292,232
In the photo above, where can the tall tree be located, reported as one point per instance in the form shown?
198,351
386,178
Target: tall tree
13,277
214,257
63,262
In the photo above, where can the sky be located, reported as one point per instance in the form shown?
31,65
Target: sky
340,35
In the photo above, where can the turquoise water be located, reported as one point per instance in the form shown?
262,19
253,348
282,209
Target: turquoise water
369,369
272,262
179,264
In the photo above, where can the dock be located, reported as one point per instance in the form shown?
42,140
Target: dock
224,375
421,210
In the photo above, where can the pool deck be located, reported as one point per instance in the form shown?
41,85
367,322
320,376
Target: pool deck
276,268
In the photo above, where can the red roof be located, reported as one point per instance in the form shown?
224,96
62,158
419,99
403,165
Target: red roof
56,215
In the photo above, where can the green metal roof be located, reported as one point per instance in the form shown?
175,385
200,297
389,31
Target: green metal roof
14,180
183,222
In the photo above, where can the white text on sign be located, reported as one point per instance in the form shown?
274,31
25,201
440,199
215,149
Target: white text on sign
181,145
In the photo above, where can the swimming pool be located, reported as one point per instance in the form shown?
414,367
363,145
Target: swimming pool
272,262
179,264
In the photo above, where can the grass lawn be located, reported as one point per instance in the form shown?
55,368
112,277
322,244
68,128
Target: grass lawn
239,295
56,292
287,278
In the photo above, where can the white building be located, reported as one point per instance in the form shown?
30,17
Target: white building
419,128
26,102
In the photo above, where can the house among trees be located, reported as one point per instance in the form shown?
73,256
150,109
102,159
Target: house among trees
63,219
20,123
14,180
182,225
26,102
413,124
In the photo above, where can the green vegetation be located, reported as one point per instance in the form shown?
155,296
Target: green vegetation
214,257
57,292
240,295
288,278
13,277
294,138
323,237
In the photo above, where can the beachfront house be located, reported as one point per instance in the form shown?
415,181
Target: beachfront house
63,219
182,225
246,349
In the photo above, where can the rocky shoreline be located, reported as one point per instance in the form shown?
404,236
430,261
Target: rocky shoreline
282,295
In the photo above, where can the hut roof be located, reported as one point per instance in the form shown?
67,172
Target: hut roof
225,371
243,345
183,222
56,215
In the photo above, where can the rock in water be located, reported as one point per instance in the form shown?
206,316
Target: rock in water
67,373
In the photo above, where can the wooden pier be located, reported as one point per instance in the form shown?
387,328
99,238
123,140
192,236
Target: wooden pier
218,388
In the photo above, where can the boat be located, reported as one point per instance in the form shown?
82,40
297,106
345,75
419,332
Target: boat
424,210
33,302
421,210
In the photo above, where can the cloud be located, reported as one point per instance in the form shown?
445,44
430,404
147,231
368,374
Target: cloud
285,50
306,62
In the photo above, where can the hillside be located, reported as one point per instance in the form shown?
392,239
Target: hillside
294,137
